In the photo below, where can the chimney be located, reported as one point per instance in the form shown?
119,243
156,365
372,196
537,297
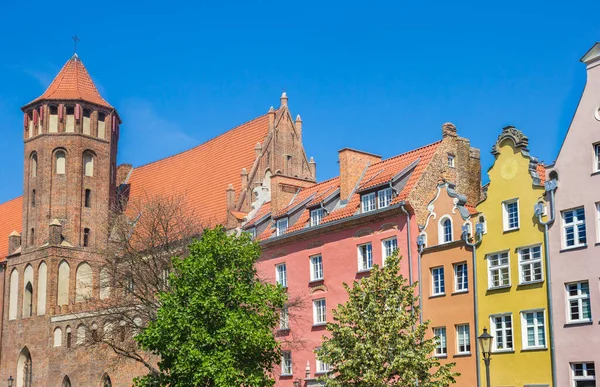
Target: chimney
449,130
352,166
244,176
299,126
14,242
271,114
284,99
313,168
230,197
55,233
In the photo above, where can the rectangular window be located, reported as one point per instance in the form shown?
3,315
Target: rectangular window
502,332
321,367
282,226
499,270
319,311
463,339
284,319
441,348
574,227
461,277
286,363
384,197
533,327
86,237
437,281
389,246
365,257
584,374
316,268
530,264
451,161
510,212
88,198
316,216
281,274
596,157
367,202
578,300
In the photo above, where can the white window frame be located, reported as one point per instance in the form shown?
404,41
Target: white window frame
368,202
388,247
529,264
451,162
596,166
316,267
579,299
361,258
320,367
282,226
585,368
465,338
442,230
499,268
576,224
281,275
597,222
463,281
252,232
384,197
286,363
505,215
504,331
441,347
315,216
537,324
435,271
284,319
319,312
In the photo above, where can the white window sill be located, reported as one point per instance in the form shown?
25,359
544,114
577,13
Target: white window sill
534,349
319,324
499,287
461,291
441,356
511,350
286,375
322,372
578,322
437,295
316,280
511,229
360,271
574,247
459,354
531,282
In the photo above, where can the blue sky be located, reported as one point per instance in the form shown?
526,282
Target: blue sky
378,76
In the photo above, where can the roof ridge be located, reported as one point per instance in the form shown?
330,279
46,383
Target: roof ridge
12,200
199,145
407,153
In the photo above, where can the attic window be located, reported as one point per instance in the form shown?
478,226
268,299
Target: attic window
367,202
450,161
282,226
316,216
375,200
252,232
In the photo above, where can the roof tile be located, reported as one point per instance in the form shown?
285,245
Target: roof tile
11,218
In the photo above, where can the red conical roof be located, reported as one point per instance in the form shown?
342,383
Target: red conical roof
73,83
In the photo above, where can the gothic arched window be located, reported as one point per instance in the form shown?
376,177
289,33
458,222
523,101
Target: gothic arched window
83,283
57,337
41,289
24,369
28,292
33,165
106,382
60,162
64,272
445,230
66,382
14,295
88,164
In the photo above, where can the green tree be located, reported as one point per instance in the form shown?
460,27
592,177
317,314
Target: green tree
215,323
376,339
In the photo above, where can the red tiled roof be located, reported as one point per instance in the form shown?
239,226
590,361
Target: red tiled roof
73,83
203,173
262,211
11,217
541,171
320,192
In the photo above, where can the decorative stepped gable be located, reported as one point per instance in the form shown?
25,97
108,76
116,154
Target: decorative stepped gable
73,83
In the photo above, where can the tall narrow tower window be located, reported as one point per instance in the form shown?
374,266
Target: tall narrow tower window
53,121
28,300
86,237
33,198
33,165
101,125
61,163
70,121
88,198
30,125
88,164
87,125
32,237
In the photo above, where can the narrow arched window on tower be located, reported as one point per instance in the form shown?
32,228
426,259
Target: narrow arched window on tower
88,164
101,125
33,198
70,120
61,163
64,273
87,201
28,300
30,124
32,237
33,165
87,125
447,230
69,336
53,121
86,237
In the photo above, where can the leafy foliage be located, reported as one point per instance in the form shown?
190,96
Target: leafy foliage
215,323
376,338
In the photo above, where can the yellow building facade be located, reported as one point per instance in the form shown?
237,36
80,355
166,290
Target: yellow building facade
511,283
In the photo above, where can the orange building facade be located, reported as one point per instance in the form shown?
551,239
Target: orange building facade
446,278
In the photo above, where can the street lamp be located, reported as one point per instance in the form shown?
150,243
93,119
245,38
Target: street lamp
297,382
10,381
485,341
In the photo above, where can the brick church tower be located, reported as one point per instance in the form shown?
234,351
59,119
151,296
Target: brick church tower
70,137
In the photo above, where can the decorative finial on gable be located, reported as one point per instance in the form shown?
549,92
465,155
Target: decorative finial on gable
284,99
510,132
298,118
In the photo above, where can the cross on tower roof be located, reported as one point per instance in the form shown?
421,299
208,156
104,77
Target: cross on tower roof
75,40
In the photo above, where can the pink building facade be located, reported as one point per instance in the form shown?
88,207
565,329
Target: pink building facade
574,240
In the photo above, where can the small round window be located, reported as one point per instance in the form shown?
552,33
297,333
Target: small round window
597,113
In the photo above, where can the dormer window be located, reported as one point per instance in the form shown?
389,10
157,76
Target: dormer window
384,197
316,216
367,202
450,161
252,232
282,226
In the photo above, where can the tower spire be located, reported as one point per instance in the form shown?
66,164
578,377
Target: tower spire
75,41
